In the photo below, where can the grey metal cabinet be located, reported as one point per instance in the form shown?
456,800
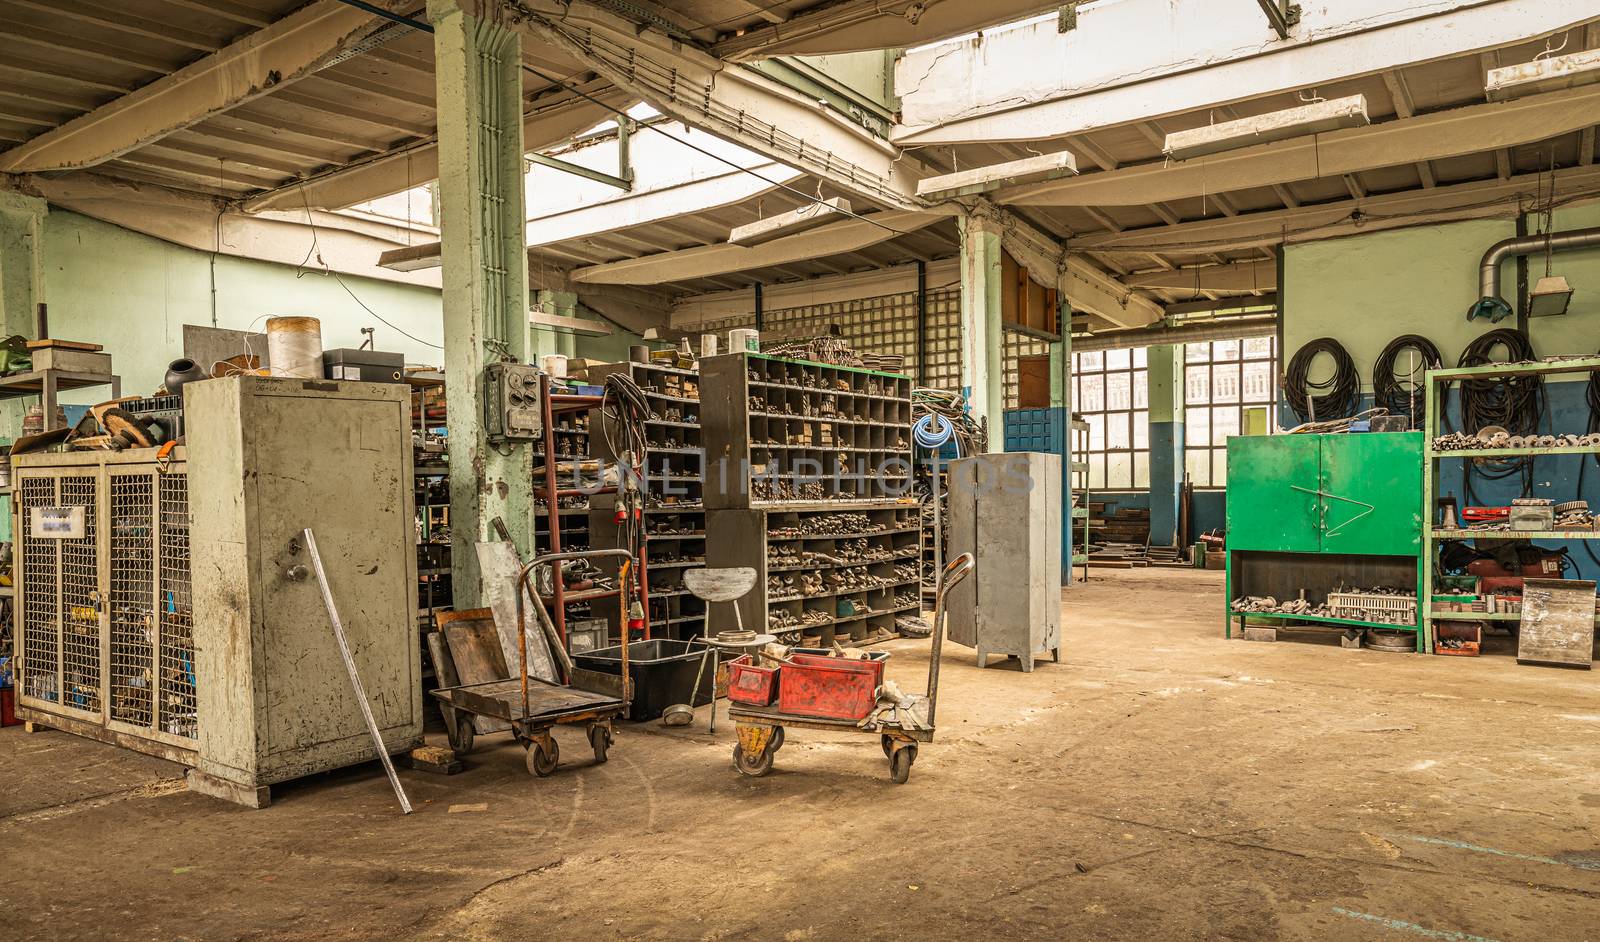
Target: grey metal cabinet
172,626
1005,509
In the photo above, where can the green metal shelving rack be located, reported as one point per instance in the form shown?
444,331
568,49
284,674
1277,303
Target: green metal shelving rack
1314,502
1437,383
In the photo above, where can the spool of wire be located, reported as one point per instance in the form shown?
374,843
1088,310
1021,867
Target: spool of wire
1402,393
1306,397
933,431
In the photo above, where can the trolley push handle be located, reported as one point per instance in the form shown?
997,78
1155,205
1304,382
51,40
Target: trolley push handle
957,570
525,589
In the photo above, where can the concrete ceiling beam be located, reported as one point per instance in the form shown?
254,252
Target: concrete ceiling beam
1468,130
258,64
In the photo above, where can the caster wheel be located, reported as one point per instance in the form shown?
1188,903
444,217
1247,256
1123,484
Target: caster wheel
753,766
888,747
540,762
461,739
599,741
900,764
777,739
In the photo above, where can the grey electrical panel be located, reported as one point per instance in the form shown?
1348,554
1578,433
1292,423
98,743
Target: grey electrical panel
1005,509
511,406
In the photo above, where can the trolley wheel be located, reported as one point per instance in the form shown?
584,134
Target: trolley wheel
599,741
461,739
540,761
888,747
776,742
900,764
753,766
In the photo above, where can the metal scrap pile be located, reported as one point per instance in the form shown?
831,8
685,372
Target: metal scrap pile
1266,604
1575,515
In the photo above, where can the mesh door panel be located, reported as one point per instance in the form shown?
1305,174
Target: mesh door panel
80,597
176,663
133,623
41,609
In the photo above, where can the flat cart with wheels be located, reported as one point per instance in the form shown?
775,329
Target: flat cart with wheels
760,728
533,707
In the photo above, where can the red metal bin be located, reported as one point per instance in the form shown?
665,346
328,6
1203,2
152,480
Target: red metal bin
751,683
836,688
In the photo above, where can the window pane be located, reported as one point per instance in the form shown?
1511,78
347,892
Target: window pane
1219,467
1258,382
1118,359
1141,390
1077,362
1196,462
1093,361
1196,352
1141,357
1225,383
1197,427
1141,430
1097,472
1094,394
1224,422
1119,390
1117,431
1257,348
1141,469
1119,469
1225,350
1197,385
1097,432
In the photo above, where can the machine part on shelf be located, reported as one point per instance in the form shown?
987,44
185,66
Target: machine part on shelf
1447,513
512,407
1307,398
350,666
1402,393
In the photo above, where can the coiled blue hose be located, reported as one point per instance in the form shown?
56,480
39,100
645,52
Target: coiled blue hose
933,431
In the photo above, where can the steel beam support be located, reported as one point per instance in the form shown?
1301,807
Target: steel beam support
261,63
982,347
483,218
1281,14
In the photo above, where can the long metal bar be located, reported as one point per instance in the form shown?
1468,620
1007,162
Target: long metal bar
350,666
598,176
949,577
1281,14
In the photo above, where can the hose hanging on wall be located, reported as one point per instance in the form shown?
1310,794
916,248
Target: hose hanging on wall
1515,403
1343,397
1402,393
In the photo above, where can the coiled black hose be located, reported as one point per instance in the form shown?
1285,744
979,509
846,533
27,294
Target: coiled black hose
1402,393
1515,403
1305,397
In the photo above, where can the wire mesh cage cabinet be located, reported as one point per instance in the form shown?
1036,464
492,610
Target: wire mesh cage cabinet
1005,509
230,666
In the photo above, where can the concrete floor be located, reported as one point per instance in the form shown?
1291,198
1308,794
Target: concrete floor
1161,783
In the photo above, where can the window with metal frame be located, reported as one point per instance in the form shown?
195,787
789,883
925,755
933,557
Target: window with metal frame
1229,387
1111,391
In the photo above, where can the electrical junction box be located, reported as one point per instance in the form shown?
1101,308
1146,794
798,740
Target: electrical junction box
512,411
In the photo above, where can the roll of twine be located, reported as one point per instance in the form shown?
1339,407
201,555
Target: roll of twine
294,346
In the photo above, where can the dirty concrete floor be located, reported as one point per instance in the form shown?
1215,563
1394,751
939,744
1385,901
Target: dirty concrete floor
1160,783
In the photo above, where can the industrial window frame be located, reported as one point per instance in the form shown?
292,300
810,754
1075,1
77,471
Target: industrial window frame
1104,474
1205,452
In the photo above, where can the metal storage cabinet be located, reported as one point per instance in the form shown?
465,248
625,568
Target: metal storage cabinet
260,694
1005,509
1312,511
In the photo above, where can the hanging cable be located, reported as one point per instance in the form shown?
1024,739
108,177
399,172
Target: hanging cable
1307,397
1514,403
1403,393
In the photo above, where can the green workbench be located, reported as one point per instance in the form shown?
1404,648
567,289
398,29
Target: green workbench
1315,511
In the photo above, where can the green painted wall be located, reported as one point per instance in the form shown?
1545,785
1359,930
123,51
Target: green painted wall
1366,290
133,294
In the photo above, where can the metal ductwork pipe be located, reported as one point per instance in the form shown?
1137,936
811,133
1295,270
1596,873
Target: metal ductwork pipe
1490,304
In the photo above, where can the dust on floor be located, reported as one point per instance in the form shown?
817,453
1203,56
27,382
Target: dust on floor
1159,783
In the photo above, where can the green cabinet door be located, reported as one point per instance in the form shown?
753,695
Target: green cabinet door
1372,493
1272,499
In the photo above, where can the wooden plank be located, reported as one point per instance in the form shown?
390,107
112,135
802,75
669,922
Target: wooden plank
474,646
1557,622
64,345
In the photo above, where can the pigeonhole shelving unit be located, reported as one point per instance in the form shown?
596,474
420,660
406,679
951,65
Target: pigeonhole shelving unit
808,477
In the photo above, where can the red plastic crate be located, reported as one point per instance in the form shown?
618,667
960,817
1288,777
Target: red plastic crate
831,687
8,707
751,683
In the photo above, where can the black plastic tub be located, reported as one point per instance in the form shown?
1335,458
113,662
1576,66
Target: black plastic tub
662,672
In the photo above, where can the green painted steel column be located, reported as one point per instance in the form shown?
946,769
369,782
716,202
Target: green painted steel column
478,75
1061,403
1166,440
982,349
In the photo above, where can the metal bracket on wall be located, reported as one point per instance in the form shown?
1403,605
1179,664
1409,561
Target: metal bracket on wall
1281,14
1324,509
624,176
